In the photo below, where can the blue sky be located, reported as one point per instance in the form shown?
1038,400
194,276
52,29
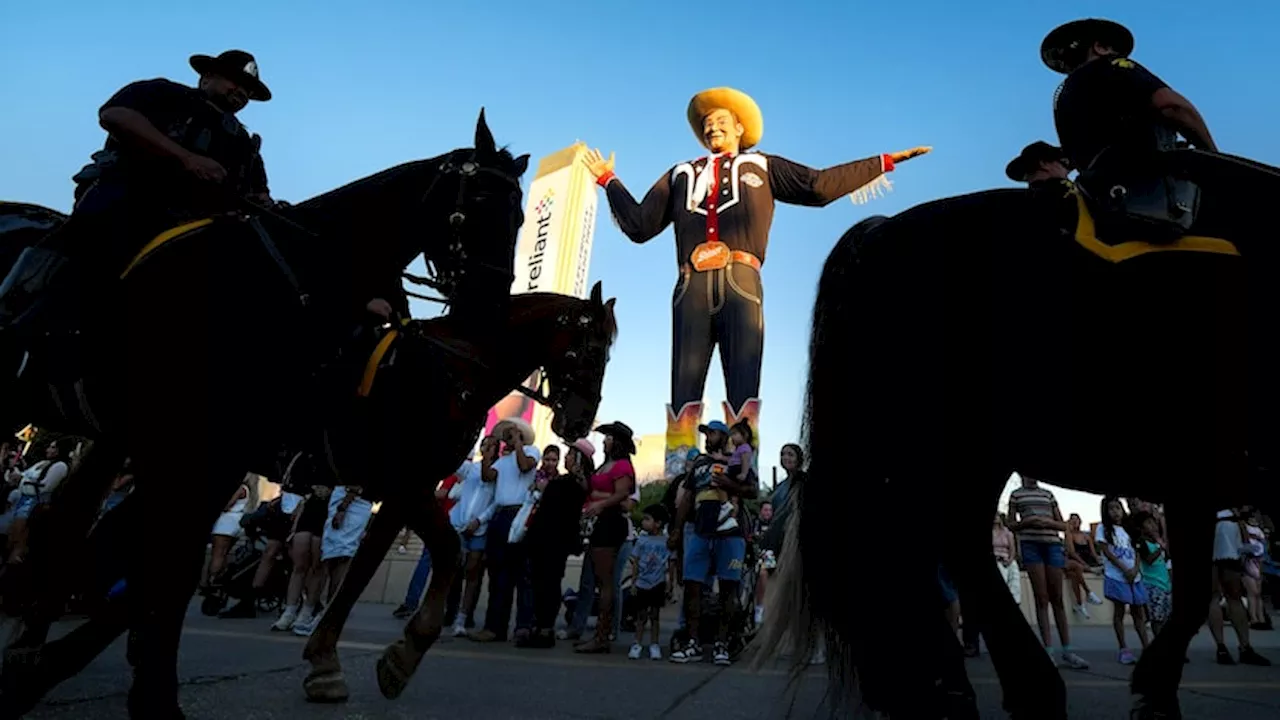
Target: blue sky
360,87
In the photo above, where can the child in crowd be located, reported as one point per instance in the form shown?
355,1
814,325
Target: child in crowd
1122,583
1155,570
650,563
738,470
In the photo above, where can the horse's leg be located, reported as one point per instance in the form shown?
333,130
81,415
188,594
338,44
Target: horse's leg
161,584
1032,685
1156,677
325,682
400,659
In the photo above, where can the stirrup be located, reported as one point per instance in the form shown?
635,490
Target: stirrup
24,290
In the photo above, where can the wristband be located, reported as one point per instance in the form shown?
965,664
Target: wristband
886,162
604,179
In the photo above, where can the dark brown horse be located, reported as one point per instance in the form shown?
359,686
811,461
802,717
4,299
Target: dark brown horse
233,314
973,336
570,339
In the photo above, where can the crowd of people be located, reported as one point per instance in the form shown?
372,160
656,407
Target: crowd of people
521,512
1129,549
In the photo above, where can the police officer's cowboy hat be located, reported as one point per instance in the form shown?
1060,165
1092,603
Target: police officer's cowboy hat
237,66
1064,47
1028,161
736,102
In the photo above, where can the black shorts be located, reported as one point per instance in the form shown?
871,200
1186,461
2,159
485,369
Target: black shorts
655,598
610,530
1232,564
315,511
276,526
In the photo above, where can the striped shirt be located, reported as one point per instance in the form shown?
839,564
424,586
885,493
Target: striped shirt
1031,502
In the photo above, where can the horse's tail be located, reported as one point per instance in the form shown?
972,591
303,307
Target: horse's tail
812,599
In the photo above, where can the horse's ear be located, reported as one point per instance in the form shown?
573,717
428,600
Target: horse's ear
521,164
484,137
608,304
597,295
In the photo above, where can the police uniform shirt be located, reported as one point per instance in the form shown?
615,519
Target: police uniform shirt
184,115
1104,103
745,188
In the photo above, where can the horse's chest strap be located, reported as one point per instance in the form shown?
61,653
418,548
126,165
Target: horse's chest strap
283,265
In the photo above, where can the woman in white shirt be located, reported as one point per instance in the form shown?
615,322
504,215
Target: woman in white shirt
35,487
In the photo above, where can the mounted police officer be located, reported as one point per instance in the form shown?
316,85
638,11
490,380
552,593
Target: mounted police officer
173,153
1115,119
1041,166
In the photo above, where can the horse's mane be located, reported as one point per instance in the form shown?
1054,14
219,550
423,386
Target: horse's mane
375,182
532,306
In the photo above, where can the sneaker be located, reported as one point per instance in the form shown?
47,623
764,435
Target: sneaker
1073,661
459,630
635,652
304,630
1094,599
655,652
690,652
304,619
285,622
486,636
1126,657
403,612
1082,611
721,654
567,634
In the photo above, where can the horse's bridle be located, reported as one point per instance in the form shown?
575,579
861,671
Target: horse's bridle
446,283
569,384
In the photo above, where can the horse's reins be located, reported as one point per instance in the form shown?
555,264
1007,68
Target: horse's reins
467,170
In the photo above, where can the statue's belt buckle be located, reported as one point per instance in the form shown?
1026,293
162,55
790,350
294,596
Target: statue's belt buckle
710,256
718,256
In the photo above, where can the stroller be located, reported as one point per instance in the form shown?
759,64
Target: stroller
242,564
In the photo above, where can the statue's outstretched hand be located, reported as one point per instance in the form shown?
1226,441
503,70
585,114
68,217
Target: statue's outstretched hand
905,155
596,163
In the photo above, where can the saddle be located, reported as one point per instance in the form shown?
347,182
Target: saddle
1141,195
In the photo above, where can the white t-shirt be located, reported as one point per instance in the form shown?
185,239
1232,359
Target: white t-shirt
1227,542
512,486
33,485
1122,548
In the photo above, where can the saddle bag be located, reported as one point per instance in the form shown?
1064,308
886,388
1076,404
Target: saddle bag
1140,197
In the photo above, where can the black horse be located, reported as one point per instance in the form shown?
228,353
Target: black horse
973,336
231,316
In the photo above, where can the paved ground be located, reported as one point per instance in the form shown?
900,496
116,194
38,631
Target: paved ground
238,669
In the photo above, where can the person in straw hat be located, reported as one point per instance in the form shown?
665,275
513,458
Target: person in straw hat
1108,101
721,205
513,473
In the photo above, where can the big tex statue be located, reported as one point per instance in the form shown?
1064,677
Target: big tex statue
722,207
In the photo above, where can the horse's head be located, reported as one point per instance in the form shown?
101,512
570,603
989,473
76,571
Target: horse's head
461,211
579,352
472,214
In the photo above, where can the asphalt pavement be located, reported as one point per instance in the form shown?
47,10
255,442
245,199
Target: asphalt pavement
240,669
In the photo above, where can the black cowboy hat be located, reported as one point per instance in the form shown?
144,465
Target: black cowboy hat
1062,46
620,434
1032,155
237,66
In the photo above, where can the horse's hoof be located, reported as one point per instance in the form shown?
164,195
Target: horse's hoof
394,670
326,686
1145,708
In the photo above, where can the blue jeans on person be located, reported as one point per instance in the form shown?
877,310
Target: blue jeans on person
507,569
418,583
587,589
